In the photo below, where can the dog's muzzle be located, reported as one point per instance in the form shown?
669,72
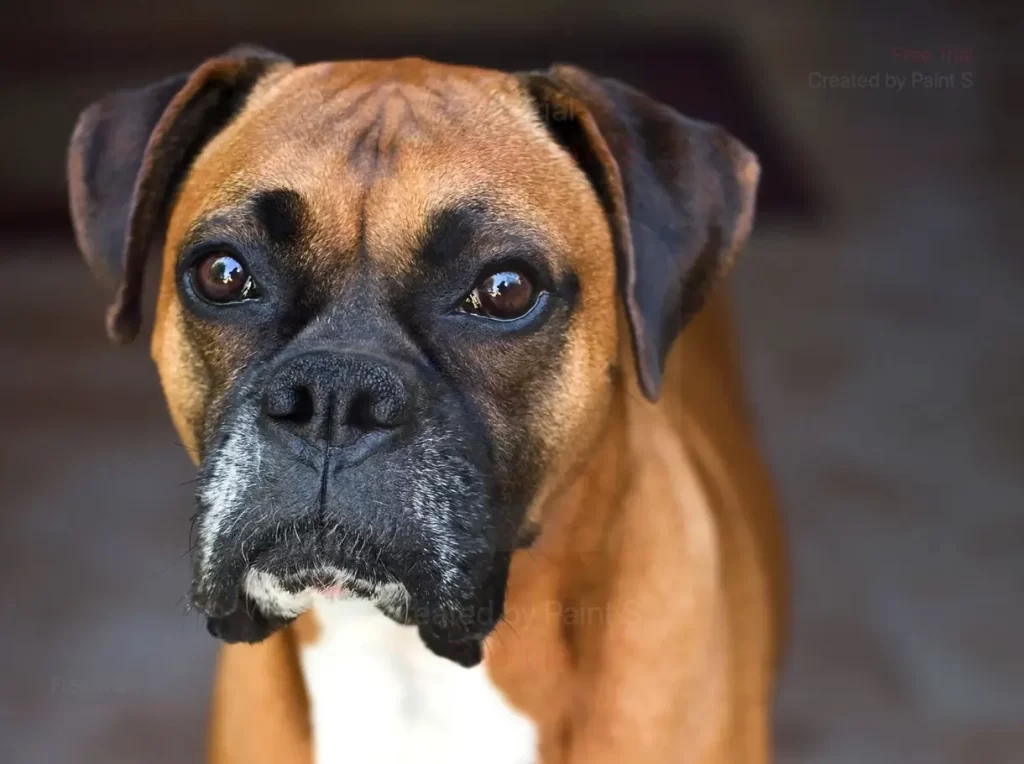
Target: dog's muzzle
348,471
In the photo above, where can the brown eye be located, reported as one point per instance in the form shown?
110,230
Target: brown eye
222,278
504,296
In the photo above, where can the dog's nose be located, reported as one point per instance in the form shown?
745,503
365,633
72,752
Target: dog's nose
338,399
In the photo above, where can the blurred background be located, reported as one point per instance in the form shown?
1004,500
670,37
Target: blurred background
880,304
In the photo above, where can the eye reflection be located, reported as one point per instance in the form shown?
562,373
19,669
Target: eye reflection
222,278
504,296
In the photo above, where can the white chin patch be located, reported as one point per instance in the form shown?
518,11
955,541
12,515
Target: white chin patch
273,597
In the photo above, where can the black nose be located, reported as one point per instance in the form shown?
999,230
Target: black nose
338,399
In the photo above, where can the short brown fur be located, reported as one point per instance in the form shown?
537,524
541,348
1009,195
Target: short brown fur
644,623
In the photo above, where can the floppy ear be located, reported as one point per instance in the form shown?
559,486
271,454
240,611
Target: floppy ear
678,193
128,153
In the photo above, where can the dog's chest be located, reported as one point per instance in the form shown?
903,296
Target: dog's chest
378,696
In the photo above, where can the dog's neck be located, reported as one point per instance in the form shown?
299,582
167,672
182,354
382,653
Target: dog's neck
596,574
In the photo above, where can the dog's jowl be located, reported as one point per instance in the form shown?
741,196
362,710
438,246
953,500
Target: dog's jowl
476,481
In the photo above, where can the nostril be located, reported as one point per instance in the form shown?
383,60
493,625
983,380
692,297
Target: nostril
304,407
369,410
291,404
361,413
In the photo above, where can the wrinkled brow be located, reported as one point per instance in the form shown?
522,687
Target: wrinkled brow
472,228
276,215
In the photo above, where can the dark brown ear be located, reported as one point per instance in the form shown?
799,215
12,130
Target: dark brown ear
679,195
128,153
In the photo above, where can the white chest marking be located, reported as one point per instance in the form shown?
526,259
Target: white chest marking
378,696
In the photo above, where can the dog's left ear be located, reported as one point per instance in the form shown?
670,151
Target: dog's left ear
678,193
127,155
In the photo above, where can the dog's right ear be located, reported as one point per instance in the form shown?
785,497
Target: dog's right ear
128,153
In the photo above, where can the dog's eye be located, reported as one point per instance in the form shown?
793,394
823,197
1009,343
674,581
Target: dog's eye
504,296
222,278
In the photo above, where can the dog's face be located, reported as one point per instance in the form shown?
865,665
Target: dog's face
387,323
372,328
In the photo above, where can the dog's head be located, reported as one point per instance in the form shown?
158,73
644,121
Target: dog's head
388,317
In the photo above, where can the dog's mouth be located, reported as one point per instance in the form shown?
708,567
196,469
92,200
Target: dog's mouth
269,581
279,572
453,633
266,602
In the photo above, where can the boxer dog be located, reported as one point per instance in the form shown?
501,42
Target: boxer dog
467,489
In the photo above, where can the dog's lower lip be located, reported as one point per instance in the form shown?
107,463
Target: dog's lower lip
246,623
